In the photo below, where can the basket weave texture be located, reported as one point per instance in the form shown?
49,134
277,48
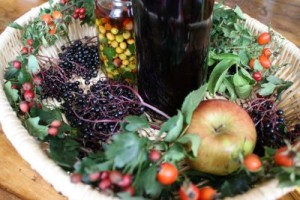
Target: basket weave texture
30,149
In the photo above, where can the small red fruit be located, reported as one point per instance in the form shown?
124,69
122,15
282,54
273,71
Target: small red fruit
27,86
37,80
81,17
30,42
24,107
77,10
94,176
31,104
53,131
76,178
104,184
52,28
126,181
264,38
14,86
257,76
188,191
264,61
28,95
115,177
154,155
117,62
17,64
57,15
56,123
104,175
283,157
75,16
128,24
167,174
266,52
252,163
24,50
207,193
82,11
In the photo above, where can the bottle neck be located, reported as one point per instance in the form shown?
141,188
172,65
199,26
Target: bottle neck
109,3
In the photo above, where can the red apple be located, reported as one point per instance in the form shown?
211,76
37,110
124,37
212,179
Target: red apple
226,130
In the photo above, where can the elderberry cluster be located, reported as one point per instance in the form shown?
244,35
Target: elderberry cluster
271,128
94,106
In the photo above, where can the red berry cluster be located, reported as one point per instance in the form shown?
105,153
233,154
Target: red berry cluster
109,181
54,126
28,49
79,13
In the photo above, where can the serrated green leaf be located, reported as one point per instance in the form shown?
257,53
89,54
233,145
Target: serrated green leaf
173,127
124,149
194,141
147,183
64,152
283,88
218,74
15,25
33,64
174,154
239,12
24,76
12,94
136,122
48,115
257,66
109,52
275,80
35,129
192,101
267,89
244,57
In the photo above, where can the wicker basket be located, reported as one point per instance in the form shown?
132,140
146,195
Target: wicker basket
30,149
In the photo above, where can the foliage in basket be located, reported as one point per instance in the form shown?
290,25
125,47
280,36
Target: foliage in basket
137,159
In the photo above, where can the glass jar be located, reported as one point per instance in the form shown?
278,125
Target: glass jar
114,23
172,41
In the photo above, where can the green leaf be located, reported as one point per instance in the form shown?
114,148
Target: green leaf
267,89
64,152
218,74
24,76
173,127
248,76
194,141
15,25
127,196
239,81
230,89
109,52
33,64
12,94
283,88
136,122
124,149
275,80
244,91
226,56
11,73
192,101
147,183
48,115
35,129
175,153
257,66
239,12
244,57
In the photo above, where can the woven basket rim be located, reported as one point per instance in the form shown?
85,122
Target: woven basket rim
52,173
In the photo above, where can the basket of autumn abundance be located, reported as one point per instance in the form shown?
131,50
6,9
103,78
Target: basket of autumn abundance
93,138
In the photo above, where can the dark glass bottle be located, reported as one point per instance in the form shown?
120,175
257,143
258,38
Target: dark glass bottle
172,41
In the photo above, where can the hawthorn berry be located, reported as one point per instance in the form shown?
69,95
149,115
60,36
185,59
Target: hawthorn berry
104,184
94,176
28,95
53,131
257,76
56,123
17,64
24,50
37,80
82,11
154,155
30,42
125,181
27,86
115,177
76,178
24,107
130,190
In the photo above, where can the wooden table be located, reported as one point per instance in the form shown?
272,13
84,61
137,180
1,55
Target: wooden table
18,181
